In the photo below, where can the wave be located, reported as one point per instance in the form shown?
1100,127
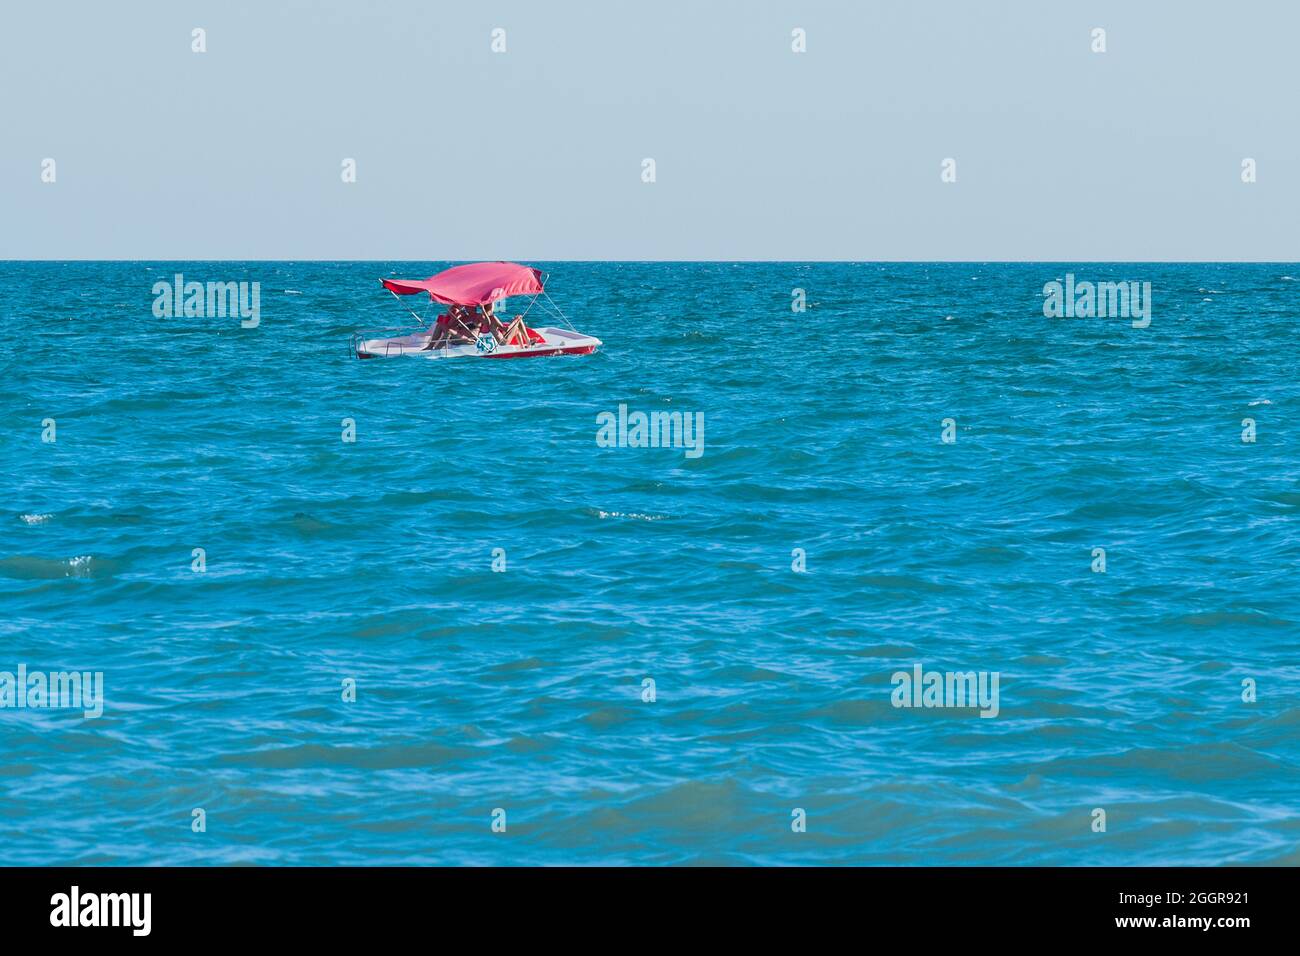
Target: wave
30,568
625,514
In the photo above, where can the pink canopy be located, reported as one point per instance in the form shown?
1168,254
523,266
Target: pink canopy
475,284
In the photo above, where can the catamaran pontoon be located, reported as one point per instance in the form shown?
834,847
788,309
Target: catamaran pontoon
464,331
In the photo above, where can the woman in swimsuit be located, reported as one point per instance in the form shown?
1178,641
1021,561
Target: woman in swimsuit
491,325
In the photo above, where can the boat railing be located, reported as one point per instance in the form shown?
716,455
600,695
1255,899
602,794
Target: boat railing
388,335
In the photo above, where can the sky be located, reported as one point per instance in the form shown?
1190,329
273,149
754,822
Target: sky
760,152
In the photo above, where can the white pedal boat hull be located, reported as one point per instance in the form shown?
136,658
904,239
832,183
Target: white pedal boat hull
554,342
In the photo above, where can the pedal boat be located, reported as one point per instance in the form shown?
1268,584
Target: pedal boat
477,285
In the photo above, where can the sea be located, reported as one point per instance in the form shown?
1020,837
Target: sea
444,612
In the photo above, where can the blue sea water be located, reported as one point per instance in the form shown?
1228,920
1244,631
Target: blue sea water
371,561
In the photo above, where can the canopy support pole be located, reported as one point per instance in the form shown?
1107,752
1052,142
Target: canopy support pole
413,315
564,318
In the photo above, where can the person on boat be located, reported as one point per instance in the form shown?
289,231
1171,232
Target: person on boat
464,326
516,333
439,334
491,325
441,330
452,327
